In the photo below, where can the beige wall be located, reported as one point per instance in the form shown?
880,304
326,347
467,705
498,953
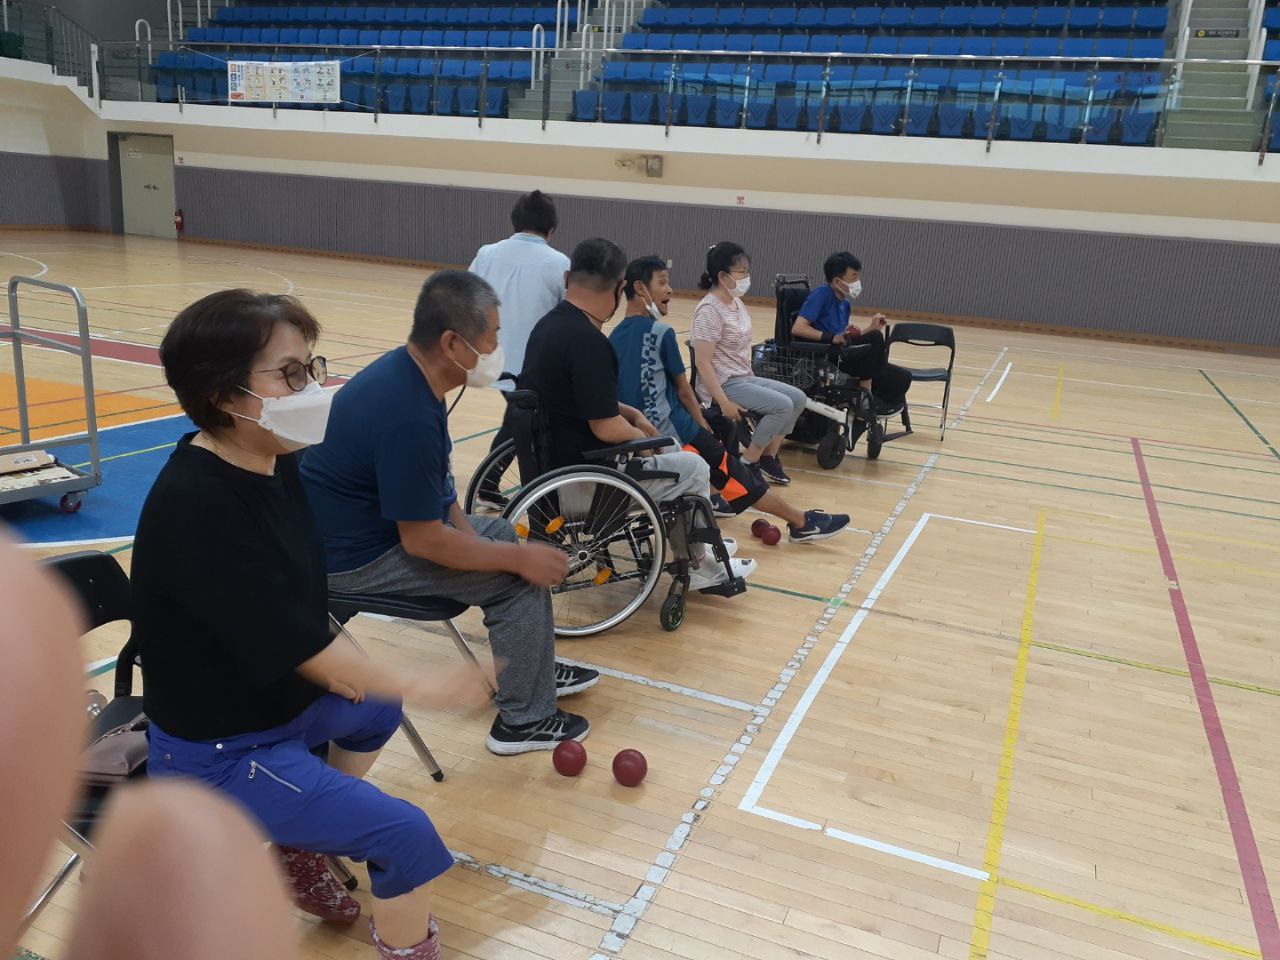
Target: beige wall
1205,194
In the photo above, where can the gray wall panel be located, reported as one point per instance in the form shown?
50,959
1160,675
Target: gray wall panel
1133,285
54,191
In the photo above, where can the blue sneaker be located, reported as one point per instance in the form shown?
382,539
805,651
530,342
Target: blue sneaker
817,526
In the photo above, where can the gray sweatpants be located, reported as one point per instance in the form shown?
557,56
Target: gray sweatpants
694,480
777,404
516,613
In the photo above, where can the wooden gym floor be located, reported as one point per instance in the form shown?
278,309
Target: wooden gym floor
1025,709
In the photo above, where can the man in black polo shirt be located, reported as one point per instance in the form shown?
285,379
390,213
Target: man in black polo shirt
573,369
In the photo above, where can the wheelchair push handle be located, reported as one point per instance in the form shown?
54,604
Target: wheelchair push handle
630,448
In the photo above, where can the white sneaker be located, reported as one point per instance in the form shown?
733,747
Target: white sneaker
730,546
712,574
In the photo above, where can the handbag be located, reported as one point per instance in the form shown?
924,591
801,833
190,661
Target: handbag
116,755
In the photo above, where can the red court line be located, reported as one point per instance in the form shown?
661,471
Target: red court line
1255,879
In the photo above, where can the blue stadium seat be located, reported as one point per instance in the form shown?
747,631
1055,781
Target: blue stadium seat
1137,129
701,17
779,74
853,117
1024,120
797,42
397,97
1156,19
654,18
200,34
397,16
838,18
851,43
956,18
697,110
446,94
895,78
1112,48
452,69
1062,124
454,38
251,35
945,46
367,38
389,38
679,17
982,116
885,117
1101,125
270,35
866,18
841,77
826,42
867,77
642,106
1154,50
500,71
767,43
1084,18
933,78
416,17
1009,46
1053,19
585,105
894,18
966,79
477,38
727,112
986,18
952,119
809,18
913,46
455,16
637,71
500,16
1018,18
784,18
976,46
755,18
615,106
809,76
684,41
521,72
289,35
433,38
926,18
920,119
814,118
738,42
729,18
650,41
467,103
883,45
758,113
711,41
1043,46
1078,47
420,97
1117,19
348,37
478,17
787,113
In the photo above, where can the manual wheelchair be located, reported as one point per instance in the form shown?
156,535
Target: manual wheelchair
839,411
613,530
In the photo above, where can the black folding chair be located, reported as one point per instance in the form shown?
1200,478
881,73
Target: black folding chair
928,335
102,587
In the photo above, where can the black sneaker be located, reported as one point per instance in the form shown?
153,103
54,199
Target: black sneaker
571,679
542,735
720,506
771,467
817,526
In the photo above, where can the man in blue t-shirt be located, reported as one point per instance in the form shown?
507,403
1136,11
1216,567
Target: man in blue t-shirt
651,378
825,317
383,493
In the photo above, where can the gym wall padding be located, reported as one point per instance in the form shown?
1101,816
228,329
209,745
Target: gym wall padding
54,191
1122,284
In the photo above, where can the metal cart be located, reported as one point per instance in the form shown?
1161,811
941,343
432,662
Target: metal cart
57,478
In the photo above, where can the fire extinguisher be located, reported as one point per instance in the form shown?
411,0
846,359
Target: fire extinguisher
179,222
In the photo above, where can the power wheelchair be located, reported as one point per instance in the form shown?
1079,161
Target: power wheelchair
598,513
839,411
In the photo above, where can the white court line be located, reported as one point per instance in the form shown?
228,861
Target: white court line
44,267
50,544
545,888
664,685
750,801
991,396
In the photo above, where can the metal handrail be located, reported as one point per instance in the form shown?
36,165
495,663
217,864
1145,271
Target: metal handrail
137,37
539,54
168,16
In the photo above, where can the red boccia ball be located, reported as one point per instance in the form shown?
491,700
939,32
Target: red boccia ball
771,536
569,758
630,767
758,527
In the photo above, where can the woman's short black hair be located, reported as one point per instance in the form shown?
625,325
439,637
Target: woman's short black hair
209,349
642,270
838,264
721,258
534,212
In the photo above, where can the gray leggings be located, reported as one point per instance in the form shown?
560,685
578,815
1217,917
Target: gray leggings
778,405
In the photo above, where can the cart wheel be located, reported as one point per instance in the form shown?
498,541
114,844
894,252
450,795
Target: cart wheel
351,883
71,502
672,613
831,449
875,440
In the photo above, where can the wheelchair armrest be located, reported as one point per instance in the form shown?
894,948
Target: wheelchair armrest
628,449
806,346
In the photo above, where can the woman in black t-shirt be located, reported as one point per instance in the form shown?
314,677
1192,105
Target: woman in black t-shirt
243,679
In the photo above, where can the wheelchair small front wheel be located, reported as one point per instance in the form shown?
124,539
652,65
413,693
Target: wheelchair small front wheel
672,613
831,449
875,439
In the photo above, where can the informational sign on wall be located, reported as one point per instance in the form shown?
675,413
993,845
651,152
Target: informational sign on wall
315,81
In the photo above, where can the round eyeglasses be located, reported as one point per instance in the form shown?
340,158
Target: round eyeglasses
298,374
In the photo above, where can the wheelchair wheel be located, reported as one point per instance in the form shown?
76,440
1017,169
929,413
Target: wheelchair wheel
613,533
495,481
672,613
875,439
832,448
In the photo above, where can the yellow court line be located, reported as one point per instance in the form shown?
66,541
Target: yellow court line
1057,395
980,940
1098,910
1182,533
1152,667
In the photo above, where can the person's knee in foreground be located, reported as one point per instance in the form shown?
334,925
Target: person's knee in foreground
383,491
722,336
574,371
243,680
652,378
825,317
163,851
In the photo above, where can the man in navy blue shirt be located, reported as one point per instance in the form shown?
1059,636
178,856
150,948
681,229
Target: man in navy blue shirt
652,378
825,317
383,493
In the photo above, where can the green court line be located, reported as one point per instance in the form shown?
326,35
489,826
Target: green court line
1247,422
1153,667
472,436
121,549
131,453
829,601
1125,452
105,668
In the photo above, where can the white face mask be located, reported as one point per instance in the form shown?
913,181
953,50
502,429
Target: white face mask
852,290
298,420
488,367
741,287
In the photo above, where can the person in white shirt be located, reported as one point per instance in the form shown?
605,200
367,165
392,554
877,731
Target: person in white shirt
526,272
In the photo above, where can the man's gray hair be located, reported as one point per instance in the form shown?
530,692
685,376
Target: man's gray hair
452,300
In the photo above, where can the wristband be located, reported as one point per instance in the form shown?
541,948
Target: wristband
828,337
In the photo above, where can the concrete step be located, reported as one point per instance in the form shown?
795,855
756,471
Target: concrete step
1218,49
1192,142
1216,104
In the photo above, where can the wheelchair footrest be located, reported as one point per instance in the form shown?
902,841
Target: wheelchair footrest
730,588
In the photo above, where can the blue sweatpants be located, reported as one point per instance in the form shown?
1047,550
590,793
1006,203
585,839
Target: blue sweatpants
300,801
